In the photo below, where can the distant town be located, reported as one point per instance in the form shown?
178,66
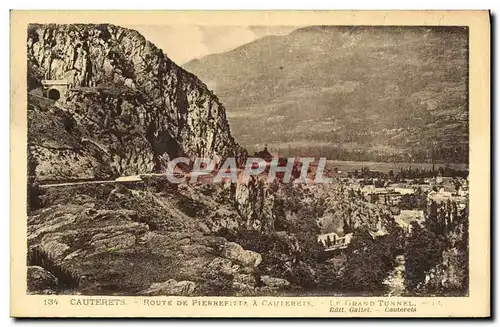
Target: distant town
407,193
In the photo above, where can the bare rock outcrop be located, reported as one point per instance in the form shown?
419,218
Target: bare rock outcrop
274,281
255,202
234,251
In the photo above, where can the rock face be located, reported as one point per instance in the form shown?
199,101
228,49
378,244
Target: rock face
255,201
60,146
128,105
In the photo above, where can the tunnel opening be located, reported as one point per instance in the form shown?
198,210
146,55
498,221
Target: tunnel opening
54,94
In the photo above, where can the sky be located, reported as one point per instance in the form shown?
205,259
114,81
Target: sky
184,43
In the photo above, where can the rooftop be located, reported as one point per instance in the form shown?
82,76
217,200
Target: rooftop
54,82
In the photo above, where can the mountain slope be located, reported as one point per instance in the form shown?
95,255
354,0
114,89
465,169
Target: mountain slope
373,93
132,104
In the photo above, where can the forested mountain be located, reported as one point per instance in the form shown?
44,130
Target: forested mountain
356,93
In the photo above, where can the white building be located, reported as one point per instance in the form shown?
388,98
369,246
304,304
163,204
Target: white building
334,241
406,217
404,190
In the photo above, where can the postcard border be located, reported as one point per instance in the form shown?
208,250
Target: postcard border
476,305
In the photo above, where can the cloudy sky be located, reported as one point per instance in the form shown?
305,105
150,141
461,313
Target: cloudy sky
183,43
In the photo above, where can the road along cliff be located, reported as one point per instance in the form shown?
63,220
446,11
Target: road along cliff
127,107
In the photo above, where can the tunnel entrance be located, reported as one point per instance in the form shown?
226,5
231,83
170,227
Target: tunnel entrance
54,94
55,89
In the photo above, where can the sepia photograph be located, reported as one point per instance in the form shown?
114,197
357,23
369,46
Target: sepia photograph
275,161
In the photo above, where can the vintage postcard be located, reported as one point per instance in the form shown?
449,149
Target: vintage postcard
250,164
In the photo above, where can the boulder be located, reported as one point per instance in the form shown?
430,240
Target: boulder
234,251
40,280
274,281
171,287
245,279
221,265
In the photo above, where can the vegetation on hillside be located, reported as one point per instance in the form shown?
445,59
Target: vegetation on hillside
349,93
437,253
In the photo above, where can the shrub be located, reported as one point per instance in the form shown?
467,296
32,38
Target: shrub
216,283
369,262
33,189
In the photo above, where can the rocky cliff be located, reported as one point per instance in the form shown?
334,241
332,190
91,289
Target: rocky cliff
135,108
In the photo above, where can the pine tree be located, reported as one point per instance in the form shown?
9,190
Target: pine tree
33,192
